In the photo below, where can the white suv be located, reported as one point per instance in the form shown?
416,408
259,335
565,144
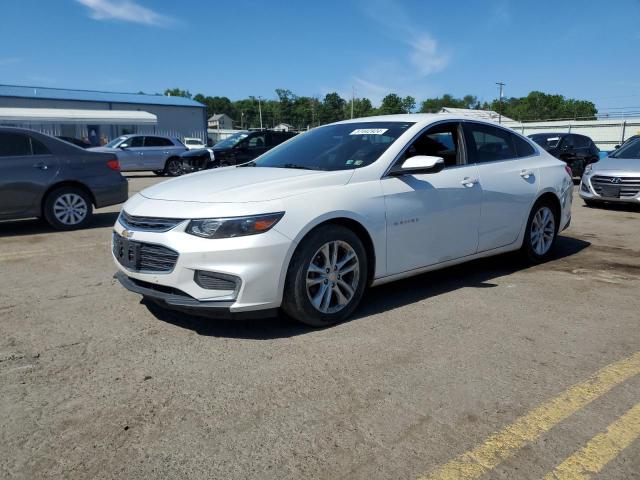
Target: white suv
307,226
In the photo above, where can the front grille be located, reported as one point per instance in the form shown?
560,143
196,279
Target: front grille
156,258
629,186
215,281
143,257
148,224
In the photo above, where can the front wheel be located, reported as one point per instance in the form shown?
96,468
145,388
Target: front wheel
326,278
542,230
173,167
67,208
159,172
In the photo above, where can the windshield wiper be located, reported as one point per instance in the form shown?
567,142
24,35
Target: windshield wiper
248,164
295,165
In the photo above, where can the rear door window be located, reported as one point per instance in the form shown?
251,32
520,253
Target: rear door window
14,145
489,144
135,142
38,148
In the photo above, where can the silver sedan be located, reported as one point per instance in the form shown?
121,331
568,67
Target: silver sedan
614,179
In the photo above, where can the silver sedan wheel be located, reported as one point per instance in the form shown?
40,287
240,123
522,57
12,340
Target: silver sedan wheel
70,209
543,229
332,276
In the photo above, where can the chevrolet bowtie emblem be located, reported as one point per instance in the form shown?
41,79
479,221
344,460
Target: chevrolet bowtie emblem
127,233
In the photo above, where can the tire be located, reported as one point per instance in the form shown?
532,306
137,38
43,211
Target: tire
345,287
159,172
590,203
173,167
539,249
67,208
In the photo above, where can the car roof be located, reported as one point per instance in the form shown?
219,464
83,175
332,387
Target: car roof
421,118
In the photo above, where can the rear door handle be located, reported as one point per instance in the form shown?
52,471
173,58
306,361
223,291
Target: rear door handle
469,182
41,166
526,173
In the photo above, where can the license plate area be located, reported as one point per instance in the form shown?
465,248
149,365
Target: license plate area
126,252
611,191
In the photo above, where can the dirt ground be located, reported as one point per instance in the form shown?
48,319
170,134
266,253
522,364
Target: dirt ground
95,384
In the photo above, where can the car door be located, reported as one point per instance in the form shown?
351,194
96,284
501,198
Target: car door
432,218
27,168
509,178
153,153
130,154
252,147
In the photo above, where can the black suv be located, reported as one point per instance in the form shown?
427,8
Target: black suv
244,146
577,151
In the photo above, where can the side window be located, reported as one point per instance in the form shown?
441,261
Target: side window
152,142
38,148
523,148
439,141
580,142
257,141
135,142
489,144
14,144
567,141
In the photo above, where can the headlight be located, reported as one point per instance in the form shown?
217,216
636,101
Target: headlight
587,171
233,226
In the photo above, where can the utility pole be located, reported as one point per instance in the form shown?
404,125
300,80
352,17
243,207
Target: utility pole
260,111
353,99
501,85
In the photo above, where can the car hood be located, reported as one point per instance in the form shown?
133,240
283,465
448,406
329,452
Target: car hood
244,184
617,164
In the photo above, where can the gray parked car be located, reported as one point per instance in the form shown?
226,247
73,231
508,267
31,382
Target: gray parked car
41,176
616,178
147,152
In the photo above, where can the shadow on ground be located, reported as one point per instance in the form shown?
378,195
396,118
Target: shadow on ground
475,274
35,226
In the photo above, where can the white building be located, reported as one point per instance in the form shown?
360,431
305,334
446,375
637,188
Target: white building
284,127
220,121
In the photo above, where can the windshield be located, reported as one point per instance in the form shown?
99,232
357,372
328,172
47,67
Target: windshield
335,147
628,150
232,140
546,141
114,142
193,141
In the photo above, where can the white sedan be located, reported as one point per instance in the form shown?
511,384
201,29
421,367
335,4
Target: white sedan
307,226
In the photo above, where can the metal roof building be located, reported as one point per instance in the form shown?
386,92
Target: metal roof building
98,115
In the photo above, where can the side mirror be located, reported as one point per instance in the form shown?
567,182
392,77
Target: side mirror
420,164
123,146
616,147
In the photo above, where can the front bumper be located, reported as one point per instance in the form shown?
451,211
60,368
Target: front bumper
173,299
588,192
258,261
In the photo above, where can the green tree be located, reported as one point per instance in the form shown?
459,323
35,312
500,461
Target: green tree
332,108
434,105
543,106
176,92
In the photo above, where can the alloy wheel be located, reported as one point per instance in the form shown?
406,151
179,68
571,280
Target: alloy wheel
70,209
332,276
543,230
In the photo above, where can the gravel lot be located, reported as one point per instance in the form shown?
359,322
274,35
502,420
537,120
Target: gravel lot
94,384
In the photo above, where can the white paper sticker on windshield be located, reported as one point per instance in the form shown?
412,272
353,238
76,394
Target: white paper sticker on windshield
552,139
369,131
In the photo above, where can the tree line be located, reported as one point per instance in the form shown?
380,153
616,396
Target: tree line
303,112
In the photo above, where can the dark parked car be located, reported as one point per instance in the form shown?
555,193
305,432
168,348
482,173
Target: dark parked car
577,151
244,146
76,141
631,138
195,160
41,176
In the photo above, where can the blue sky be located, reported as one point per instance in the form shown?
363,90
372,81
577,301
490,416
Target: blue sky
583,49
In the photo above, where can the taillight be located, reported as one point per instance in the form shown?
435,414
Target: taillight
114,165
569,171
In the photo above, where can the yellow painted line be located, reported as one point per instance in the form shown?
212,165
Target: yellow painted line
505,443
601,449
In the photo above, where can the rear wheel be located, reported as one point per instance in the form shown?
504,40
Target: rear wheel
173,167
542,230
67,208
326,278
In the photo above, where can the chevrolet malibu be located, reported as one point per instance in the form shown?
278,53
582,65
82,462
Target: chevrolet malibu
306,227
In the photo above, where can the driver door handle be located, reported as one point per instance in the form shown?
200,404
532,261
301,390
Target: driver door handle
469,182
526,173
41,166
